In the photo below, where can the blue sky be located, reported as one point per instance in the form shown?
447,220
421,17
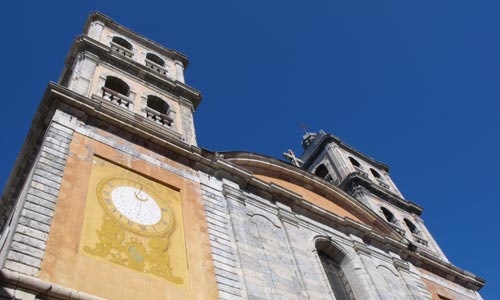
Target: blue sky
414,84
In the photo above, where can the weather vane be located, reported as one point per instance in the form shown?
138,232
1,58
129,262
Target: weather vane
304,127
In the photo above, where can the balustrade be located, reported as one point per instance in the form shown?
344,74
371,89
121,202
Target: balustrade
116,97
158,117
121,50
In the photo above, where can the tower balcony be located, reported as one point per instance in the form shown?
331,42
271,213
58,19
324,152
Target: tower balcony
158,117
398,229
156,67
116,97
383,184
420,240
121,50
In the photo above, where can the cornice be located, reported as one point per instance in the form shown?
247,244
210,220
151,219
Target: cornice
41,287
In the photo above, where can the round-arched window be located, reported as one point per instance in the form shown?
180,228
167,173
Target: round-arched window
122,42
156,59
389,216
117,85
354,162
375,174
157,104
413,228
335,265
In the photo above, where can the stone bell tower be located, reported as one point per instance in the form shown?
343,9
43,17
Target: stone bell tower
113,63
102,201
368,181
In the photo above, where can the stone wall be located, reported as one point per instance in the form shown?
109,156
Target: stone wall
32,216
263,250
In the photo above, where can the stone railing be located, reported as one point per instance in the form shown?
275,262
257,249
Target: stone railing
398,229
417,238
361,173
382,184
158,117
116,97
156,67
122,50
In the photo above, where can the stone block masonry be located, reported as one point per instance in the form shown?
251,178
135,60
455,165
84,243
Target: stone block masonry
35,207
224,252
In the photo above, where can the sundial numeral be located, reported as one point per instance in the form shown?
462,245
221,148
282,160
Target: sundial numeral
108,201
143,228
130,223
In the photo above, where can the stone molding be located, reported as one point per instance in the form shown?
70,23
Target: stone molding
22,285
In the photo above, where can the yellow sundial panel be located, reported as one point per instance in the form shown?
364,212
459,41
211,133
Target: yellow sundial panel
134,222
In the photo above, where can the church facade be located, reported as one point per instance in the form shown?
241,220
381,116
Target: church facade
112,198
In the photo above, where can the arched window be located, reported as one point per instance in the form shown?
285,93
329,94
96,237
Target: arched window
336,265
375,174
156,63
122,46
413,228
117,91
157,110
156,59
122,42
117,85
322,172
389,216
354,162
157,104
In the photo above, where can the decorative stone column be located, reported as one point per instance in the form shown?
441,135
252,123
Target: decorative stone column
337,160
412,287
83,71
288,223
363,281
95,30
